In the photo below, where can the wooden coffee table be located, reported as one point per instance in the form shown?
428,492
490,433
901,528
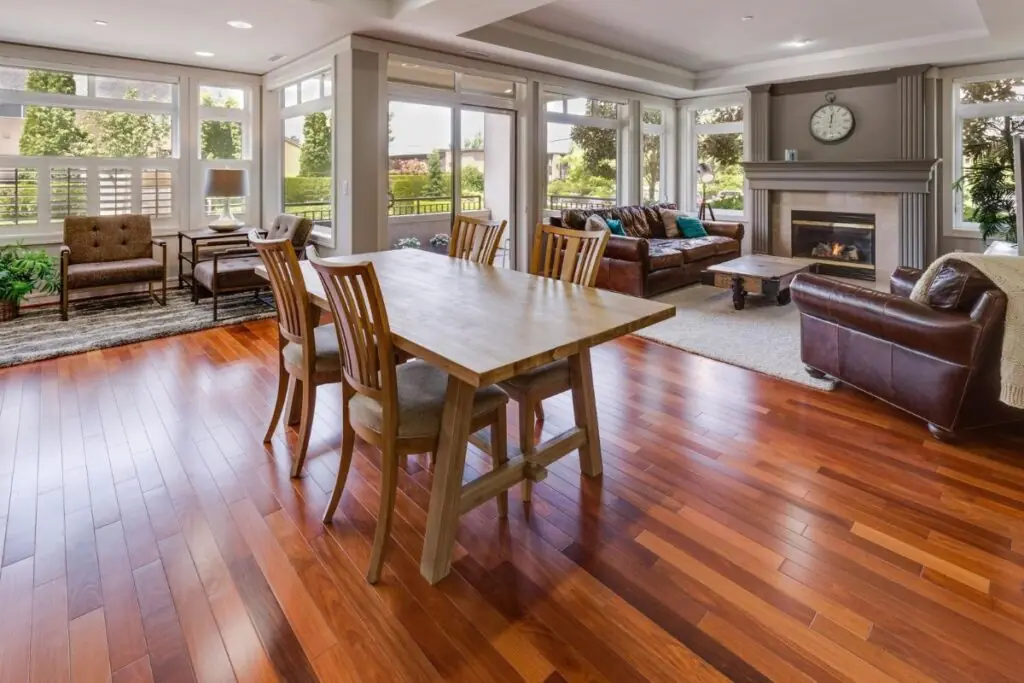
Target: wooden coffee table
757,274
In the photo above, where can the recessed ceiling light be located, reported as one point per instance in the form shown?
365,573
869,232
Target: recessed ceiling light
508,91
747,18
236,23
99,22
201,53
799,42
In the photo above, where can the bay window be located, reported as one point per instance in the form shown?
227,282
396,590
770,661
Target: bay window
583,152
653,157
225,141
718,143
988,115
308,152
82,144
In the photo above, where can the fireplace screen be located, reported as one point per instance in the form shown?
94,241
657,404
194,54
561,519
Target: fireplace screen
842,243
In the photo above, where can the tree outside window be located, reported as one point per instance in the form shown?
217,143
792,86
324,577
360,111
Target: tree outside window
724,152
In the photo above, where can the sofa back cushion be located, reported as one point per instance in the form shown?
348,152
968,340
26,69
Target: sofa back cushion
98,239
637,221
957,287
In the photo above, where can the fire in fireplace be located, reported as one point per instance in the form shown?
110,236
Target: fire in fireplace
842,243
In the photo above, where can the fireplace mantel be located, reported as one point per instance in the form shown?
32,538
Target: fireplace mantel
901,176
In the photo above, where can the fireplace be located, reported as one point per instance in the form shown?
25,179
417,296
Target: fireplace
843,244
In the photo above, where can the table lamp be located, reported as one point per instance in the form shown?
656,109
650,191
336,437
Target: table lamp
706,174
226,183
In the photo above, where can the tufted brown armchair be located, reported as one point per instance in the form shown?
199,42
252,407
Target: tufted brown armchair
110,250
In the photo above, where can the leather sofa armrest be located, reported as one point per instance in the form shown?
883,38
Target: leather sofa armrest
903,279
723,229
622,248
948,336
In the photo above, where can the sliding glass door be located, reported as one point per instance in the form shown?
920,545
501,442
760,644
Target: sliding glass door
430,179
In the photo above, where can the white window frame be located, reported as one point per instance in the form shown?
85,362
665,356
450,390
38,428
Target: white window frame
689,184
663,130
47,229
619,124
246,116
962,112
322,103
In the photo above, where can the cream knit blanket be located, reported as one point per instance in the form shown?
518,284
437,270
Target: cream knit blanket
1007,273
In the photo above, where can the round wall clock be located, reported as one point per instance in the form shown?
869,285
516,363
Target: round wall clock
832,123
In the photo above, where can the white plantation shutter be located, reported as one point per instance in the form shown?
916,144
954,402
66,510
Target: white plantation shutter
19,188
157,193
69,192
115,191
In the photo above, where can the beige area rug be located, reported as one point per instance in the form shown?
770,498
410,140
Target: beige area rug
764,337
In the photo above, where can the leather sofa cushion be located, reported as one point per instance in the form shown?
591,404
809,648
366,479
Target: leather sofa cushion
665,254
82,275
637,221
957,287
232,273
95,239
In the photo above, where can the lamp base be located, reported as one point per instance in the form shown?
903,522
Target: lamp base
226,222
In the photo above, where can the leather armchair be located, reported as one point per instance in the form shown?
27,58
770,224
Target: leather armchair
99,251
939,361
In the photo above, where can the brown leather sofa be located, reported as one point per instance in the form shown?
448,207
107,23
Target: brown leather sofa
99,251
648,262
939,362
234,270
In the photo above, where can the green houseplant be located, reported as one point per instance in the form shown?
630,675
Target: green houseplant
23,271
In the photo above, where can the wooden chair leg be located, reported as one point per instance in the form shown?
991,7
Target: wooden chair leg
526,411
282,394
388,488
305,426
538,410
348,442
499,452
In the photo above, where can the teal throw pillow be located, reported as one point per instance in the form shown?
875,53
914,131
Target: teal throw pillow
690,227
616,227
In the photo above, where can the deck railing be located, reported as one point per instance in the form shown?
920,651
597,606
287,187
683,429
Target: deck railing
557,202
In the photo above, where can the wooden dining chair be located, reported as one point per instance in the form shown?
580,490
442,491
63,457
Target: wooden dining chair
571,256
475,239
308,353
397,408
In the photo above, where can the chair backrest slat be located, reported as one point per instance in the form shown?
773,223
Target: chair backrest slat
465,245
568,255
290,295
364,334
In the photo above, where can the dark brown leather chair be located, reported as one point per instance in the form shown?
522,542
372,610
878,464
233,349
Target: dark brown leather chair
234,270
99,251
939,361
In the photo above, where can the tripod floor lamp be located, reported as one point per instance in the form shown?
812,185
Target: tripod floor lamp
706,174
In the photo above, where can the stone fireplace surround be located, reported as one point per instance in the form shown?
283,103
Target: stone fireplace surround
896,191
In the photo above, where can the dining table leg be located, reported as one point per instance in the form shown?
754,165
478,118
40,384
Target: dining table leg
446,493
584,407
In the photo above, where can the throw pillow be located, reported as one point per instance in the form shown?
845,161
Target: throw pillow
691,227
615,226
595,222
669,216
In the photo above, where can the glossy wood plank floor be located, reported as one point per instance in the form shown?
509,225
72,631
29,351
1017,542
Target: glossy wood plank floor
744,529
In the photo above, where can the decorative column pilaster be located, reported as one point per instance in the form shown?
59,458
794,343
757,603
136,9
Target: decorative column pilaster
759,201
914,208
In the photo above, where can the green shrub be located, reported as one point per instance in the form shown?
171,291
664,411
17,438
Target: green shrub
23,271
302,190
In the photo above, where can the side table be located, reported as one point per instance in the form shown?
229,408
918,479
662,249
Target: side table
201,245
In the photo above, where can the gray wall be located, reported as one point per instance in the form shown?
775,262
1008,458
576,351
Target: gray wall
876,135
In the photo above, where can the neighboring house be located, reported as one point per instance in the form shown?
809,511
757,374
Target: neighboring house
11,124
470,157
558,166
292,154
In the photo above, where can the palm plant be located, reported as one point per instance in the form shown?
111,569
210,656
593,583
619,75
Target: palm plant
989,186
23,271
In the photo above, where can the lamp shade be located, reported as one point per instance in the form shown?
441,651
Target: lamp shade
705,172
227,182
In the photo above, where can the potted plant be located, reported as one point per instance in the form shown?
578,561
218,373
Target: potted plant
23,271
407,243
440,242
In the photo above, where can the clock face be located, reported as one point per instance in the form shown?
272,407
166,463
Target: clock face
832,123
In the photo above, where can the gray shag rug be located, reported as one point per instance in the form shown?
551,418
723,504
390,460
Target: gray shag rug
764,336
38,334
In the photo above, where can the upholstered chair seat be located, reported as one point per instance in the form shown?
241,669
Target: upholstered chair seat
556,372
421,394
327,354
103,273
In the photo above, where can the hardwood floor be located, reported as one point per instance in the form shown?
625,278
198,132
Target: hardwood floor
744,529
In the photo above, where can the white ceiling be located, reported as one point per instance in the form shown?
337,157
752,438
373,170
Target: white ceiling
710,34
675,48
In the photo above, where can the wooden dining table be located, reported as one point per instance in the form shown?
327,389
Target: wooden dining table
483,325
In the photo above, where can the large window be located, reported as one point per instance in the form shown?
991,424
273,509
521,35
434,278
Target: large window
652,161
307,154
988,115
718,144
225,141
582,152
81,144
